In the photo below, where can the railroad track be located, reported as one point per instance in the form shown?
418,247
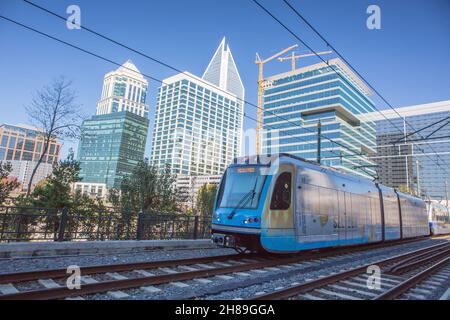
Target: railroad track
400,277
145,275
198,271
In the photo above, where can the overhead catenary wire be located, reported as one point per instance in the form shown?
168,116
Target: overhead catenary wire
111,61
355,70
345,60
180,71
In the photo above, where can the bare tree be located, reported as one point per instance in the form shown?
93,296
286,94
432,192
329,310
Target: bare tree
54,112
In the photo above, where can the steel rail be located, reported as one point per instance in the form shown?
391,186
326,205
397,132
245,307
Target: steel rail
87,270
404,286
64,292
56,293
62,272
429,257
321,282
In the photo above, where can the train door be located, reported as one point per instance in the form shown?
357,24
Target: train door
342,217
349,217
299,216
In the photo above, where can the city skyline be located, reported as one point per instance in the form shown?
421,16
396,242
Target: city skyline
369,55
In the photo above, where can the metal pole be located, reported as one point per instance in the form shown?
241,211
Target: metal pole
406,158
259,111
319,134
446,193
63,223
418,178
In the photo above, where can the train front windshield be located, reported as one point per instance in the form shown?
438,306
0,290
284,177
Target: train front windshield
241,188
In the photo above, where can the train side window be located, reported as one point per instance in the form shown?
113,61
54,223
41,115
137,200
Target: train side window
281,197
220,194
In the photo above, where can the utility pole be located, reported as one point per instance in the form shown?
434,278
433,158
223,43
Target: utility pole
418,178
446,193
406,158
319,134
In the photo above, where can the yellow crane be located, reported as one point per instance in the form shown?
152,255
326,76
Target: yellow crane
293,57
260,62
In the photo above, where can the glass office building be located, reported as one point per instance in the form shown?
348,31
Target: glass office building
22,145
113,141
110,148
198,121
420,151
295,102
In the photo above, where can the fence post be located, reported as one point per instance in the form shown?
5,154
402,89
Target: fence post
139,226
195,226
62,223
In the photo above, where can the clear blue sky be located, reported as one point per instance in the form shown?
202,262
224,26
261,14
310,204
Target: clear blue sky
407,60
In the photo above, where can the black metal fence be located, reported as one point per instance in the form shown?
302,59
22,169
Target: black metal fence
46,224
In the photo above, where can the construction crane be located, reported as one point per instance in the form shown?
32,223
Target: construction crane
260,62
293,57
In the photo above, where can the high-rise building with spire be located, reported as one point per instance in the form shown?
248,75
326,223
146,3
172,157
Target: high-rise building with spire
113,141
222,71
198,121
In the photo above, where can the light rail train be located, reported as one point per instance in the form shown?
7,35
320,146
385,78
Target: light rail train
439,218
285,204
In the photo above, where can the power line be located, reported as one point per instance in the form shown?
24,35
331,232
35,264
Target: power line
178,70
415,143
356,71
110,61
397,155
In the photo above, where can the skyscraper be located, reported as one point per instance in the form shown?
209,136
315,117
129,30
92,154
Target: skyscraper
111,146
417,150
198,121
124,89
295,102
113,141
21,145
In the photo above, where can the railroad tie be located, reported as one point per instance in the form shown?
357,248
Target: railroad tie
116,276
308,296
88,280
144,273
188,268
74,298
118,294
203,281
337,294
272,268
151,289
179,284
204,266
8,289
222,264
224,277
49,283
168,270
259,271
242,274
